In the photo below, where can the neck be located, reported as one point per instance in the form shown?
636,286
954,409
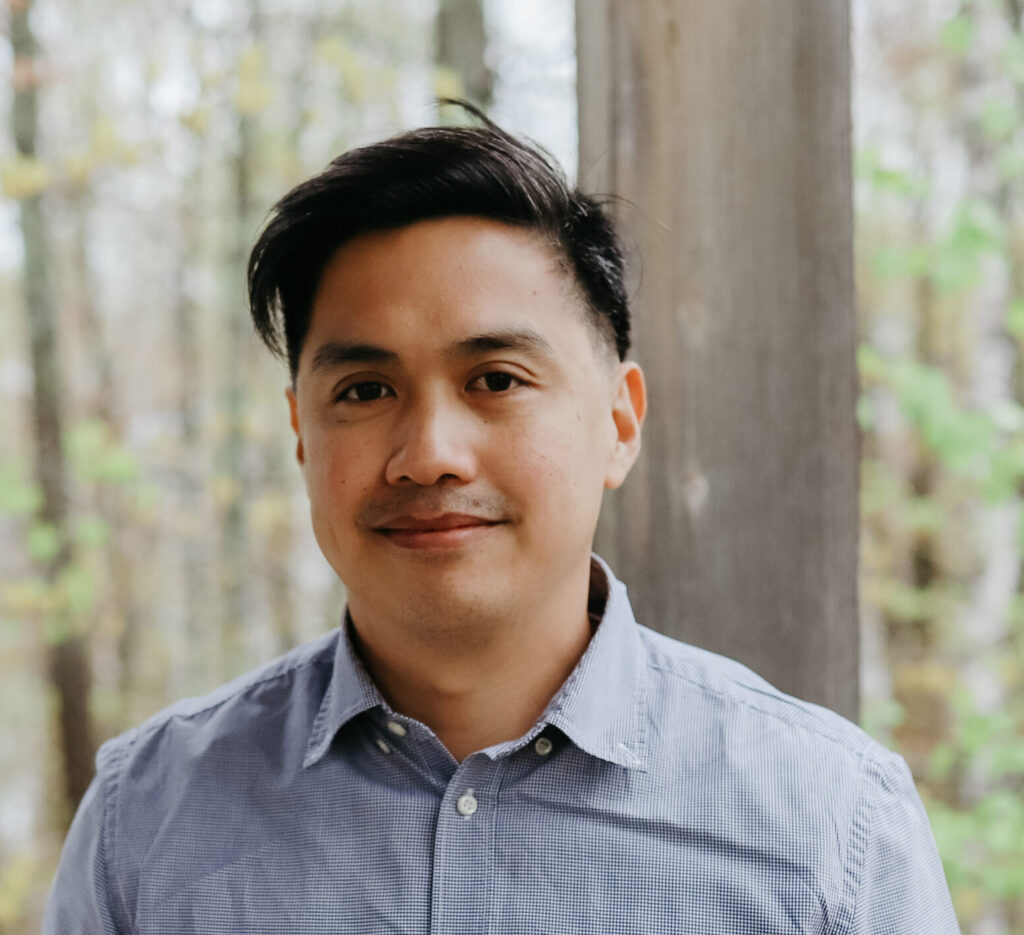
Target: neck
474,694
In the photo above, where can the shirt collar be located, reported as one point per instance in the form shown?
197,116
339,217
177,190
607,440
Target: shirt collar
350,692
600,707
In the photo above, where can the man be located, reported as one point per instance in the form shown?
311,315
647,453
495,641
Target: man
490,742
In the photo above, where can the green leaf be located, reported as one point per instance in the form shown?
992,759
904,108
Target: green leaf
1006,470
1010,161
900,261
977,228
1013,59
961,439
17,496
865,413
92,531
870,363
999,119
1008,761
944,757
79,587
86,444
924,514
886,179
955,274
1015,318
43,542
56,628
119,466
97,456
881,716
957,35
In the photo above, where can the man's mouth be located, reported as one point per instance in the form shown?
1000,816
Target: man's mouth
444,531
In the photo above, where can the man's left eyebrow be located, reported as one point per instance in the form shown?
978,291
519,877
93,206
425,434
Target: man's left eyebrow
525,340
336,354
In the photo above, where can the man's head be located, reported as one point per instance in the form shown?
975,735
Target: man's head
459,402
431,172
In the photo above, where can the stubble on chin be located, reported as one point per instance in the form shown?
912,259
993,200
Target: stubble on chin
440,612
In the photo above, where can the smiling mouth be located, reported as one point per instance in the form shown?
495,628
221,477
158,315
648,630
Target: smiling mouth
450,530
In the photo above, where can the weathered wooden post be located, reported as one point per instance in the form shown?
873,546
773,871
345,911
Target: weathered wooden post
725,127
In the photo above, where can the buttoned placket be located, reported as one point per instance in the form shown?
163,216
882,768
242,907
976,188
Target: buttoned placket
463,847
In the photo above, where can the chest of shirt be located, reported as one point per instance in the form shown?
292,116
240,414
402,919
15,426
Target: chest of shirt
562,846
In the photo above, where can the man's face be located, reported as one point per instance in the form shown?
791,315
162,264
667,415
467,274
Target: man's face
457,421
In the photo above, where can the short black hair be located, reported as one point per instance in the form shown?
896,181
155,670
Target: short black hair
431,172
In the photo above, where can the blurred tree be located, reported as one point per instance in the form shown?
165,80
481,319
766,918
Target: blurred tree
251,98
940,176
462,52
68,656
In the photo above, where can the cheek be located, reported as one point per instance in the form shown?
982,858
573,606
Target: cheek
336,470
555,465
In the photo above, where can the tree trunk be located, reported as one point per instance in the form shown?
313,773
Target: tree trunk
461,48
68,663
110,501
235,556
726,128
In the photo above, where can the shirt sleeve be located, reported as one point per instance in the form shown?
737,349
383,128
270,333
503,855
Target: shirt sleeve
899,884
79,903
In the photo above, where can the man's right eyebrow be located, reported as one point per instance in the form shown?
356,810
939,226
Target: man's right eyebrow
333,354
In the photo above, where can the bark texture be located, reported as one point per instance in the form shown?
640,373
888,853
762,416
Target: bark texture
725,129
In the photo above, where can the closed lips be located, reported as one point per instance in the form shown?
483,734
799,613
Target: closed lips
434,523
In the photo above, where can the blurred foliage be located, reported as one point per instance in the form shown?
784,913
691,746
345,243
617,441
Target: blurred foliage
143,113
941,305
166,131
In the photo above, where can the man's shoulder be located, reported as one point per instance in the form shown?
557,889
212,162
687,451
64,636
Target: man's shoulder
256,701
726,697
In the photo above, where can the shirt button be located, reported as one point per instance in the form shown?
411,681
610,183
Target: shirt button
397,729
383,744
466,805
543,746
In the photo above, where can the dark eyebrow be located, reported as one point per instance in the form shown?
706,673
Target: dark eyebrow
335,354
503,339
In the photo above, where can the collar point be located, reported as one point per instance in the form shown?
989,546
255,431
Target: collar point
314,756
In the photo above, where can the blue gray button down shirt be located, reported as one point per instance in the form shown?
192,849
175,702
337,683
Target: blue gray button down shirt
664,790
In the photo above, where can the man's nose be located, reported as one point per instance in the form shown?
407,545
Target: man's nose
432,443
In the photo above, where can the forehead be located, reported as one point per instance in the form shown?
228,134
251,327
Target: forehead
442,280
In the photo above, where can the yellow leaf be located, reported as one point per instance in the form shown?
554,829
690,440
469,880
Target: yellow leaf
251,62
252,97
448,83
225,490
17,877
353,76
196,120
79,168
105,144
331,50
25,597
23,177
254,92
269,512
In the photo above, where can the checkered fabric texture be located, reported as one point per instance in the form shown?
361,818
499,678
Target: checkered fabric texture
664,790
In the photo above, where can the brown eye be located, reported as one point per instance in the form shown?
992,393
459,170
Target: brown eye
365,392
498,381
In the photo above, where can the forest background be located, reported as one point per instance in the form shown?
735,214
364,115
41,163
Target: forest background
154,538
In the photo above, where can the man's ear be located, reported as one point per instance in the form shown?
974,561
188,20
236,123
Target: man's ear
629,406
293,405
